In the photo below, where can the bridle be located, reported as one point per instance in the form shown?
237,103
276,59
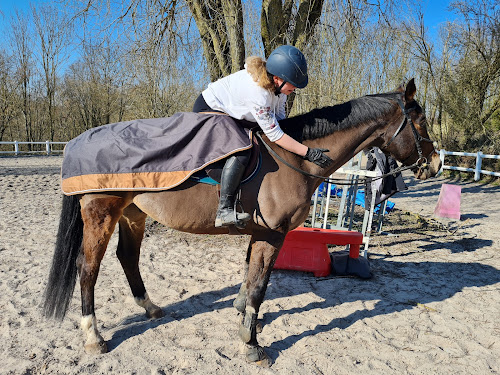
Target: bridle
420,163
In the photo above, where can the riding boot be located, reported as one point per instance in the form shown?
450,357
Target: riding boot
230,181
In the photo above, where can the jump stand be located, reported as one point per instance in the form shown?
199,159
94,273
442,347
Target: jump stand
306,249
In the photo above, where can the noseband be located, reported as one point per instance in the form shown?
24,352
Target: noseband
421,161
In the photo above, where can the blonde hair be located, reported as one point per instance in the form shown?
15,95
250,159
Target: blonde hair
256,67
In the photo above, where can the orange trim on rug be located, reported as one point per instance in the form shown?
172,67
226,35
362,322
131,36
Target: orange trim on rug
123,182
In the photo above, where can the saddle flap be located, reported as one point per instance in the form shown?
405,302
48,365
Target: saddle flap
214,170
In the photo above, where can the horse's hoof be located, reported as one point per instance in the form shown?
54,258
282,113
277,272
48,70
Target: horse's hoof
96,348
257,355
155,314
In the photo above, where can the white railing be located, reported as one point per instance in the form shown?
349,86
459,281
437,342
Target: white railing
477,170
48,147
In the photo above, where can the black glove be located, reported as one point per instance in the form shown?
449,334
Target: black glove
317,156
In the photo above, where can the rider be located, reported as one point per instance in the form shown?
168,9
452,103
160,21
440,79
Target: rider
257,94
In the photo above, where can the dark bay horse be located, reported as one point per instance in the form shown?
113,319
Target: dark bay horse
278,199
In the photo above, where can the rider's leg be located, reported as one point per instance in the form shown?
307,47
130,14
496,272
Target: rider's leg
230,181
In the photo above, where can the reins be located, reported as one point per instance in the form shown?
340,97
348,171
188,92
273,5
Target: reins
420,163
330,180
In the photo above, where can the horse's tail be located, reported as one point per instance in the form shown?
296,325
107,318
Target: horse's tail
62,277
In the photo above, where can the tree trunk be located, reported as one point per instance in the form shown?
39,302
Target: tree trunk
220,23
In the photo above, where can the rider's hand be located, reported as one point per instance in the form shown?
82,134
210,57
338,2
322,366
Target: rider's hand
317,156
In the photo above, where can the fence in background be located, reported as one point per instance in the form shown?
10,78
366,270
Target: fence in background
48,149
477,170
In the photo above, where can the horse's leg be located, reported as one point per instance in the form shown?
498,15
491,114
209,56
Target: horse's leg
100,215
240,301
131,233
263,254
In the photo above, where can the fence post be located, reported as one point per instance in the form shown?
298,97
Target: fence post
441,157
16,147
47,147
479,161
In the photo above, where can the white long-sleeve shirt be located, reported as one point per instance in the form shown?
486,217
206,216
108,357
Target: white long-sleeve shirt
240,97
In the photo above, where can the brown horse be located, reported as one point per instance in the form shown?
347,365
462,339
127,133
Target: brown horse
278,199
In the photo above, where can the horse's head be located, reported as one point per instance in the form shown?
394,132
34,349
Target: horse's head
407,138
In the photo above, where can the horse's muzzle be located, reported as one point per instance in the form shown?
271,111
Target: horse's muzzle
427,167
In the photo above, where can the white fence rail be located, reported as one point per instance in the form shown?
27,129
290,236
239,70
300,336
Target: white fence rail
442,153
48,147
477,170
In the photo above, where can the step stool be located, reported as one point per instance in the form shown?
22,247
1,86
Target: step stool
306,249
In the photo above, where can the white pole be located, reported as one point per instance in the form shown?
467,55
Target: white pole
328,195
47,147
479,161
315,205
441,156
16,147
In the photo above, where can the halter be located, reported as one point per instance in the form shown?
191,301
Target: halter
420,163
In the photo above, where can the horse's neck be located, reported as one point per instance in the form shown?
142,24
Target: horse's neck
344,145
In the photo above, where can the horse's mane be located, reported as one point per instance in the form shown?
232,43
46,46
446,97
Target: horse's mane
321,122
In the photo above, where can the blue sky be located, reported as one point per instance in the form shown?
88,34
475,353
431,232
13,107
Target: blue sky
435,12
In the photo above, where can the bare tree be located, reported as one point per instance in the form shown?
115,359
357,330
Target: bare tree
474,82
221,26
8,105
23,62
53,31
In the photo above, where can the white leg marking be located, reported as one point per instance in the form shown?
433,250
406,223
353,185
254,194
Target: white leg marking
89,328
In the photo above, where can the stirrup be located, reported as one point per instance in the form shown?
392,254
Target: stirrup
226,217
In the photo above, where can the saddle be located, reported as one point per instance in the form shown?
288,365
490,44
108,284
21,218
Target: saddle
212,173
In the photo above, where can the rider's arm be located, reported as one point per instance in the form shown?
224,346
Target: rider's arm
290,144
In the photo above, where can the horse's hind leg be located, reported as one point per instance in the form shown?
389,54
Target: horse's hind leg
263,253
131,232
100,214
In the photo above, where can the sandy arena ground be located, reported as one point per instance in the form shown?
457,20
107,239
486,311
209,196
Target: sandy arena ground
432,307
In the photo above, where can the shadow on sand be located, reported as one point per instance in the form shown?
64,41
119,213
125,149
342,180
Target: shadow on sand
424,282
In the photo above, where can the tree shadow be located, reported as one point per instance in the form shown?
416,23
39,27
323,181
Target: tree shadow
472,216
432,187
197,304
397,286
434,243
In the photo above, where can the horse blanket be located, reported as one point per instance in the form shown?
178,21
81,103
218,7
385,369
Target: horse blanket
149,154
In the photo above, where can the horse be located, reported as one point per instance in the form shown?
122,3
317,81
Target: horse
278,198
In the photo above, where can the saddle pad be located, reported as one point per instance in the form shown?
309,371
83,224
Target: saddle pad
149,154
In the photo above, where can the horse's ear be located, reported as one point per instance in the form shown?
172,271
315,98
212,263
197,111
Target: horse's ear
410,91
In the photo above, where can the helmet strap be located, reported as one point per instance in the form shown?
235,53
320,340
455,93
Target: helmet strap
277,91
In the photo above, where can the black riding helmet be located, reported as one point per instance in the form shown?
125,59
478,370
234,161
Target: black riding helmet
288,63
